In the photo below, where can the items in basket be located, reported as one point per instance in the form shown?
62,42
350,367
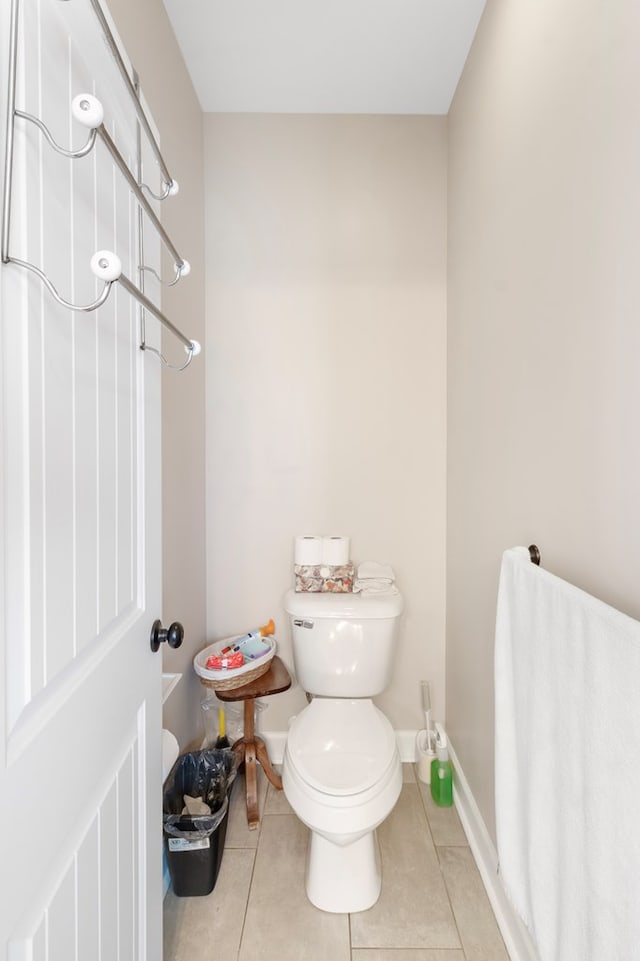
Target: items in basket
267,631
256,652
247,647
250,650
221,662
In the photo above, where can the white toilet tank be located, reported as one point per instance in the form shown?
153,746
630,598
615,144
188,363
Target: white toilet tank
343,644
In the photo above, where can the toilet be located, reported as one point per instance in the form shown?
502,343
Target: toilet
342,773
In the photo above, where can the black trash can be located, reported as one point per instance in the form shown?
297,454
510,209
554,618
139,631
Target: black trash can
195,843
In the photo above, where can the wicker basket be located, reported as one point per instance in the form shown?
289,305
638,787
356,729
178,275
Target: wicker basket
230,679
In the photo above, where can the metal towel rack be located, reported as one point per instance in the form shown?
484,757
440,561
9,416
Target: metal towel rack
534,554
171,185
88,111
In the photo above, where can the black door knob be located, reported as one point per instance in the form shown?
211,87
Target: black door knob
173,635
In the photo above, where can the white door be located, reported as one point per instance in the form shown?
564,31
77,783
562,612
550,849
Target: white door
80,689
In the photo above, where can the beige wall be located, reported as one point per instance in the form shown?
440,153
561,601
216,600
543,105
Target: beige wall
326,307
544,335
152,48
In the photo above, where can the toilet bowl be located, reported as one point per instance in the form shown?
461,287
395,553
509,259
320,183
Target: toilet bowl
342,777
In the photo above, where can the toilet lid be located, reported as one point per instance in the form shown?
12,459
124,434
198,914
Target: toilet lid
341,746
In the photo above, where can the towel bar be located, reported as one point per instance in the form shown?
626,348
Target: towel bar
171,186
88,110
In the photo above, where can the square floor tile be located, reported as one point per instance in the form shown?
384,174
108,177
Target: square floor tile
208,928
479,932
444,822
413,910
276,802
280,922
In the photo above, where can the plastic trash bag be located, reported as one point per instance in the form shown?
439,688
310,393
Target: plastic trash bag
234,717
205,774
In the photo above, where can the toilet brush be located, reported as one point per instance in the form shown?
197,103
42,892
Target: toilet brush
425,692
425,752
222,740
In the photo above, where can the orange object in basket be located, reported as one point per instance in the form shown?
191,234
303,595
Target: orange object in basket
221,662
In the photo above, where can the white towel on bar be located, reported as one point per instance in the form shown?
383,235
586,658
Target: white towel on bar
567,685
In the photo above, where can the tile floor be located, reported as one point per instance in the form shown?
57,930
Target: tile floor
433,906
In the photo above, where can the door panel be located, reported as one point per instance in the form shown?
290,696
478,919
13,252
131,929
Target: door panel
91,901
80,781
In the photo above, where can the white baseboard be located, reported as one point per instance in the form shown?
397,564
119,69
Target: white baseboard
515,936
406,746
275,741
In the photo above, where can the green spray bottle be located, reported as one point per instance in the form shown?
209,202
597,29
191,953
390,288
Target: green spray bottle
441,771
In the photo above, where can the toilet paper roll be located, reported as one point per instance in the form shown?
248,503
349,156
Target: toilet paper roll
170,751
335,550
308,550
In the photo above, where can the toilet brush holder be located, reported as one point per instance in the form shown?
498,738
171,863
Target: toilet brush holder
425,754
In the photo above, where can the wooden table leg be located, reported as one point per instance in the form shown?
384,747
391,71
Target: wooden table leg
251,781
250,766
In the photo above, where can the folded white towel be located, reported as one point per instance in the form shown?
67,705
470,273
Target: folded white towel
381,585
567,676
371,570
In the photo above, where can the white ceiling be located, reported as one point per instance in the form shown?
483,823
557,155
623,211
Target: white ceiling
325,56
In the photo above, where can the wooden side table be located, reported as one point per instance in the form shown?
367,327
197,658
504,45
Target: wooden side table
251,748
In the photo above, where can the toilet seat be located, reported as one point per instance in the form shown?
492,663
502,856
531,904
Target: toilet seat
341,747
